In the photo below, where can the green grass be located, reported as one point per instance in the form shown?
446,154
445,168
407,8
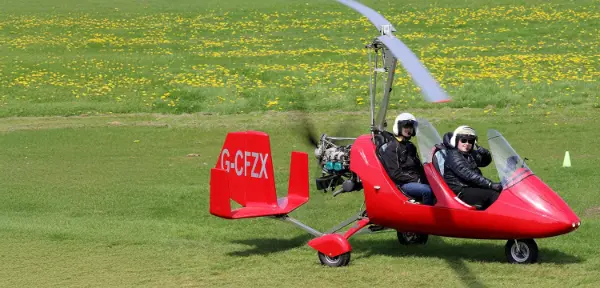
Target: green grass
65,58
85,204
109,196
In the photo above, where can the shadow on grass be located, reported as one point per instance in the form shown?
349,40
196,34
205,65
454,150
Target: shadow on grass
262,246
455,255
465,274
482,251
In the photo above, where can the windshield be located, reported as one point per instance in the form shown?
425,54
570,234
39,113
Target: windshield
511,167
427,137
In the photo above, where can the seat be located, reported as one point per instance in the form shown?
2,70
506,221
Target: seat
381,139
439,156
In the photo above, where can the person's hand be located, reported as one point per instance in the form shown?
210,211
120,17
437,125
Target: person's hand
480,149
496,187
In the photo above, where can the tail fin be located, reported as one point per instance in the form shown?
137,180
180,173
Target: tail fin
244,173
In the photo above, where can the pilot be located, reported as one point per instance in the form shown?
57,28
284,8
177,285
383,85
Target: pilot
462,172
401,160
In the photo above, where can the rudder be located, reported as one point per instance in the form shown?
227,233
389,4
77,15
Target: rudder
246,157
244,173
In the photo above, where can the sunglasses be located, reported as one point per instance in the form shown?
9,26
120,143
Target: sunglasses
465,140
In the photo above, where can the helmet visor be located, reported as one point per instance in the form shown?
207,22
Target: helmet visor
406,124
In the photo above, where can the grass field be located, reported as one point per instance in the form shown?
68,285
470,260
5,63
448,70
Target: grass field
117,201
59,58
116,194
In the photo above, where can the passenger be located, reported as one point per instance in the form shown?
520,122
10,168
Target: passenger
461,171
401,160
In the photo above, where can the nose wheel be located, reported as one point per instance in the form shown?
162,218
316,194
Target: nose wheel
522,251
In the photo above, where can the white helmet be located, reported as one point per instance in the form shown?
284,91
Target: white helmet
403,119
462,131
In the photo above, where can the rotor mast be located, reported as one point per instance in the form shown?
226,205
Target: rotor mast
389,63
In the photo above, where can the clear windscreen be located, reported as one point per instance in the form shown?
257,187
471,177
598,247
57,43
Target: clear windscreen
509,164
427,137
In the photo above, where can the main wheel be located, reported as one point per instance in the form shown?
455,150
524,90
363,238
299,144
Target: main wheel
523,251
408,238
337,261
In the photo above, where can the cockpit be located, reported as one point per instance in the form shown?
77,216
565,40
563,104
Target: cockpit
510,166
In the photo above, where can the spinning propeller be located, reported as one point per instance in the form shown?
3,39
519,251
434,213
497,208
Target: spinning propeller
309,132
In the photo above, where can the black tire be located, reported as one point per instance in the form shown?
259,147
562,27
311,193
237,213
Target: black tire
337,261
410,238
526,253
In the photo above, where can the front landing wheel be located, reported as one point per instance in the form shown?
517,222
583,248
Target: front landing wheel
337,261
524,251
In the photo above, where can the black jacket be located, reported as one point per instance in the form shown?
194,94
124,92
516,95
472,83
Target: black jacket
401,161
461,169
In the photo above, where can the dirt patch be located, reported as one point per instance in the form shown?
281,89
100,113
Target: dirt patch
591,212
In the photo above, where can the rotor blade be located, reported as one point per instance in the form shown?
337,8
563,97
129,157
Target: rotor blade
429,87
373,16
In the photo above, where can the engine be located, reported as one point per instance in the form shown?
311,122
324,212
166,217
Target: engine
334,161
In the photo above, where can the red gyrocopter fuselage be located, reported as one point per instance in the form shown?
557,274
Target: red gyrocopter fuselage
527,208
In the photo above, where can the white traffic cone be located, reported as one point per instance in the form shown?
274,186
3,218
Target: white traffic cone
567,161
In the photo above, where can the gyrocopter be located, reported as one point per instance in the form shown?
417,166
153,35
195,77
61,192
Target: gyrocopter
526,209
